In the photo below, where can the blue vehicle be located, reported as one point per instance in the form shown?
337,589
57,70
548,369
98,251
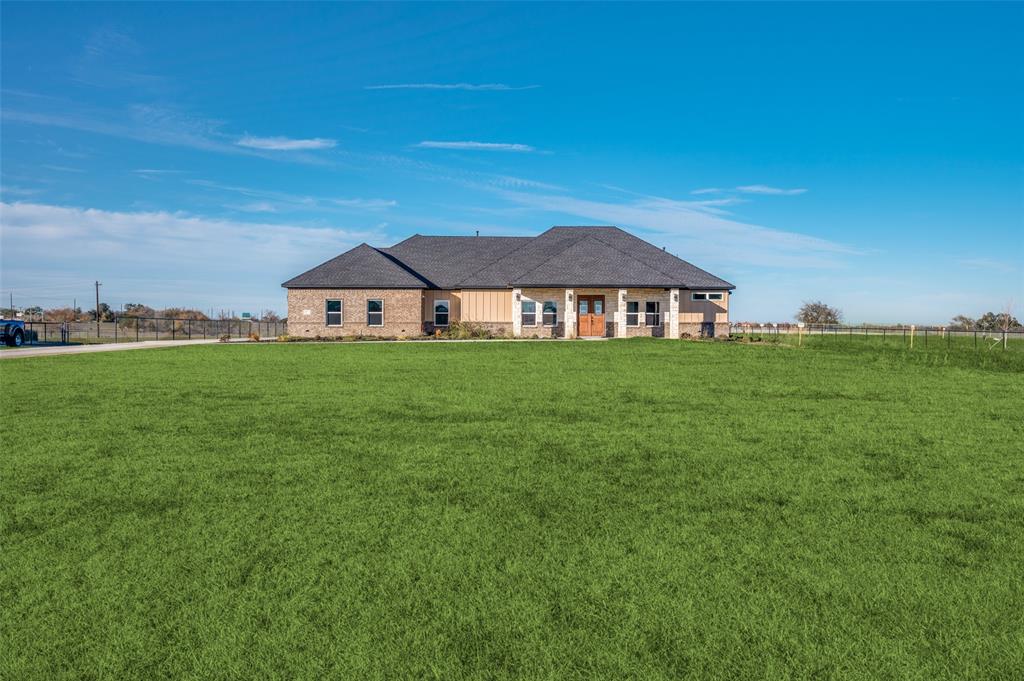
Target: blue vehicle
13,331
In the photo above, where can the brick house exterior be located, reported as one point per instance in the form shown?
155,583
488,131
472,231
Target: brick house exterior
567,282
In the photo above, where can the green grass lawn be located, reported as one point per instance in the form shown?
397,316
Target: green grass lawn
640,509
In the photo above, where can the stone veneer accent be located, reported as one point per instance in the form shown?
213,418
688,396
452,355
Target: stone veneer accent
402,312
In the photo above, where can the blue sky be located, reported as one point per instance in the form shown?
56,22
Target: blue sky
870,155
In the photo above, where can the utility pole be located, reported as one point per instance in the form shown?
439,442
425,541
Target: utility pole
98,284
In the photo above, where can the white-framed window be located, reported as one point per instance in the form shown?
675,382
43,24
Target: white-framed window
375,312
550,313
652,316
632,313
706,296
529,313
441,309
714,296
332,311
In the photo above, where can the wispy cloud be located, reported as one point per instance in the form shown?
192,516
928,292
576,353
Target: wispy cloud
268,201
752,189
138,255
476,146
286,143
452,86
989,264
14,190
62,169
152,125
765,189
696,231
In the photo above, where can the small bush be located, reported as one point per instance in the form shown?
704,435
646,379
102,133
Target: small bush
253,336
225,337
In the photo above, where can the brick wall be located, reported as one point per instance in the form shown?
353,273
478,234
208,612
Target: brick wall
402,312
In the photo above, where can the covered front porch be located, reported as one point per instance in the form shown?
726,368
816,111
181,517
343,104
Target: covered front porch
595,312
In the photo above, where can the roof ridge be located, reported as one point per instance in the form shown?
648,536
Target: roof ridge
527,241
397,261
570,245
686,262
656,269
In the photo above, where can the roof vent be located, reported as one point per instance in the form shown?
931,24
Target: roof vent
478,232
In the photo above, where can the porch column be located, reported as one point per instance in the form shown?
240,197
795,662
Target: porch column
673,313
517,312
570,314
620,314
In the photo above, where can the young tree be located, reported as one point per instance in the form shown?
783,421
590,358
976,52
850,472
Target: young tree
106,314
997,321
817,312
962,322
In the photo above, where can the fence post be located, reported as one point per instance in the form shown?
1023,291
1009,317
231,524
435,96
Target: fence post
926,336
190,329
172,329
115,329
975,339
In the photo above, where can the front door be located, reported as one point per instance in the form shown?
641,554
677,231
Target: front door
590,315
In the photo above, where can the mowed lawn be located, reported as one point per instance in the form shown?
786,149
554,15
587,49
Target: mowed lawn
626,509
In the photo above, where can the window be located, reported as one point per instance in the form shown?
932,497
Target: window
698,296
632,313
714,296
529,313
333,308
653,316
375,312
440,313
550,313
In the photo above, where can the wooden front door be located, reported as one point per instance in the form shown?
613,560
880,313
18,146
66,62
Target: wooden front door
590,315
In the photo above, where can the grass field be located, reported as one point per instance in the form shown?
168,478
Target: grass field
640,509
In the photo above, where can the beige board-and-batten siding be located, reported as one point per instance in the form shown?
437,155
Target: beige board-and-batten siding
694,313
307,316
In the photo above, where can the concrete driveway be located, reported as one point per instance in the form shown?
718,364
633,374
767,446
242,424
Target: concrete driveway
42,351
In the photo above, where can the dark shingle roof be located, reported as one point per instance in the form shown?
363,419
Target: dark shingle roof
560,257
362,267
447,260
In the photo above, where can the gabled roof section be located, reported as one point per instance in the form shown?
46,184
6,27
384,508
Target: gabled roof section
591,262
361,267
613,257
445,261
682,273
560,257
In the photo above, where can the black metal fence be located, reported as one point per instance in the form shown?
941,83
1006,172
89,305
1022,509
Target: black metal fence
131,329
911,336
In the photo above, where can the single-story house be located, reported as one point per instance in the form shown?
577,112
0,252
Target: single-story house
567,282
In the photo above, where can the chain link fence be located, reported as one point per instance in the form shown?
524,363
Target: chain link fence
130,329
